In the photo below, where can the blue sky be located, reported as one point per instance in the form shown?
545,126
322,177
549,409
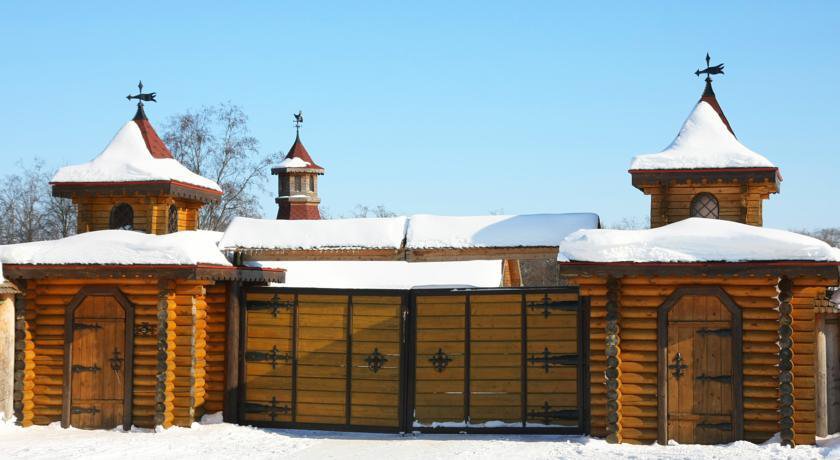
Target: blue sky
442,107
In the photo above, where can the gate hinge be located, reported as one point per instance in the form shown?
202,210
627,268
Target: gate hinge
84,410
274,305
274,355
715,426
547,413
547,305
273,410
714,378
547,359
718,332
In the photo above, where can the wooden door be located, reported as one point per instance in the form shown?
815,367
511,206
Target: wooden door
700,375
98,363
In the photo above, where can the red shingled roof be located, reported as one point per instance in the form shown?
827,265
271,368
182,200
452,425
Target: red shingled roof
709,97
153,142
299,151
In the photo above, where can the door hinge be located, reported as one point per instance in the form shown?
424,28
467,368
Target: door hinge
547,359
547,305
84,410
83,326
272,409
79,368
715,426
274,305
718,332
274,355
714,378
547,413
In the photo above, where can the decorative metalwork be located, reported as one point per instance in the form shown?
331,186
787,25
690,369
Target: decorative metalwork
84,410
145,329
547,414
122,217
116,360
705,205
298,120
172,222
547,359
273,410
786,396
77,368
274,356
547,305
376,360
274,305
710,69
717,332
141,96
714,378
715,426
440,360
85,326
679,367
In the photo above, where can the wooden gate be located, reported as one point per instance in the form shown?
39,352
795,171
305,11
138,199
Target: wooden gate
323,358
499,360
99,363
701,368
508,360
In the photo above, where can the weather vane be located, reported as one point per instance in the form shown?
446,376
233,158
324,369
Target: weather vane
710,70
298,120
141,96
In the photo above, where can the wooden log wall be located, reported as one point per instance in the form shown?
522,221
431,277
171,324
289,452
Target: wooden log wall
216,332
169,349
738,202
151,214
757,297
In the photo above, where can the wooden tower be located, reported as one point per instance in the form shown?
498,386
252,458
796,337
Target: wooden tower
297,182
135,184
706,171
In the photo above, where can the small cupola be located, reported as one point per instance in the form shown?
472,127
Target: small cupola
135,183
706,171
297,182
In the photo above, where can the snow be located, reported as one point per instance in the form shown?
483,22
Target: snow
377,233
127,159
703,142
695,240
120,247
389,274
294,162
427,231
211,440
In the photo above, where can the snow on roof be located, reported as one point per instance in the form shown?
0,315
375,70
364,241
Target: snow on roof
127,159
120,247
426,231
420,231
704,141
389,274
293,163
367,233
695,240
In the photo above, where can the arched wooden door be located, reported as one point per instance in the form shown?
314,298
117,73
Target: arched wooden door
99,366
700,376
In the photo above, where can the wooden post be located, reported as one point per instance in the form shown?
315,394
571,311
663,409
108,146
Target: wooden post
821,383
613,352
20,351
231,404
786,396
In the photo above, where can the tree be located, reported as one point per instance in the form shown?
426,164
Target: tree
372,211
215,142
830,235
30,212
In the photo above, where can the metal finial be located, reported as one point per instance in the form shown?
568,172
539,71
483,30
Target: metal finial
141,96
710,70
298,120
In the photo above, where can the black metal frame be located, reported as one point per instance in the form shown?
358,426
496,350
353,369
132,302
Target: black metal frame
408,357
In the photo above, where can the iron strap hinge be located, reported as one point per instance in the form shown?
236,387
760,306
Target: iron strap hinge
718,332
83,326
547,413
274,355
84,410
546,359
714,378
274,305
715,426
547,305
79,368
272,409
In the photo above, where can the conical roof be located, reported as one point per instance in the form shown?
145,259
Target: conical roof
705,141
298,157
135,155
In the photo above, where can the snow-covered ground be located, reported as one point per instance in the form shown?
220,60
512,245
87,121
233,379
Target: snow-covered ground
213,440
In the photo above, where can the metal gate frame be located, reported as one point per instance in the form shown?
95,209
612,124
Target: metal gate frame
582,365
408,348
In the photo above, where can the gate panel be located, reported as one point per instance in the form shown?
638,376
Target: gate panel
322,343
553,359
376,338
440,359
495,358
268,357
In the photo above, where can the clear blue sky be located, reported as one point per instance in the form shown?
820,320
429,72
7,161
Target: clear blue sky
443,107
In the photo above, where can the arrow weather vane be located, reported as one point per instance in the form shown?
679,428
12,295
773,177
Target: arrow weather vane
710,70
141,96
298,120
